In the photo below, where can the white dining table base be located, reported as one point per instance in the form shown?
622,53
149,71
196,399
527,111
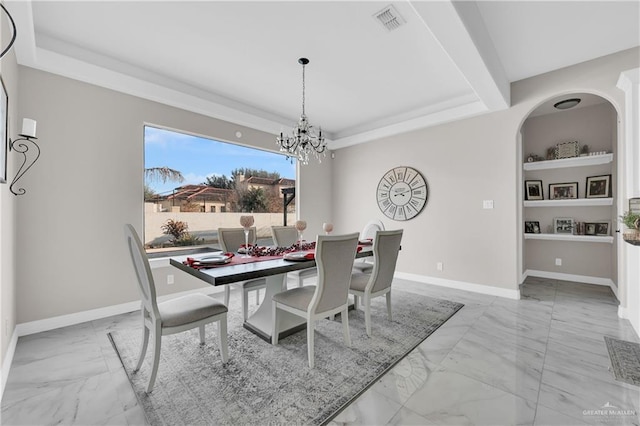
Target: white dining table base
260,323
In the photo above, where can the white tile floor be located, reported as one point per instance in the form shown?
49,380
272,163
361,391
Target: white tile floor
541,360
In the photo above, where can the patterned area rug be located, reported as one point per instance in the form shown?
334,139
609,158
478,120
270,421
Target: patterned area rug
265,384
625,360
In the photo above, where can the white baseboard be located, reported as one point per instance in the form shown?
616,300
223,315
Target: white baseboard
27,328
8,360
570,277
462,285
623,313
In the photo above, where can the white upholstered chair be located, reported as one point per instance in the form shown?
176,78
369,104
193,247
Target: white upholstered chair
334,257
378,282
364,264
230,240
172,316
286,236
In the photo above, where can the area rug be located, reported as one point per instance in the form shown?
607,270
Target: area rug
266,384
625,360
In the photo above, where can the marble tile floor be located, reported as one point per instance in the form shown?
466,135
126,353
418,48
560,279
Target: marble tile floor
541,360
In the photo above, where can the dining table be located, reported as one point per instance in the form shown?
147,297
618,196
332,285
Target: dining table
273,269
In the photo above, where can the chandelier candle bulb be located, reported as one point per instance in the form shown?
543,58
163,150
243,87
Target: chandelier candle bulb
28,128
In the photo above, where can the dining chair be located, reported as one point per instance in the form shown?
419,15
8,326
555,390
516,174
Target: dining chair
286,236
230,240
365,265
367,286
173,316
334,257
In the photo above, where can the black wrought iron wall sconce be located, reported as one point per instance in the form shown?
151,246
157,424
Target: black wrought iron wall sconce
23,145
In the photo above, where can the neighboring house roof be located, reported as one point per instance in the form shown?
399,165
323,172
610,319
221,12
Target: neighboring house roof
199,192
268,181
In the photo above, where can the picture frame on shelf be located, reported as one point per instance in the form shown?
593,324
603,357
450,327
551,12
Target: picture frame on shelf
602,228
563,191
563,225
634,205
598,187
533,190
532,227
567,150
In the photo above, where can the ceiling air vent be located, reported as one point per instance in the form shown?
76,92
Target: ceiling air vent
389,18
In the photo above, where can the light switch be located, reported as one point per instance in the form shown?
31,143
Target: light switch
487,204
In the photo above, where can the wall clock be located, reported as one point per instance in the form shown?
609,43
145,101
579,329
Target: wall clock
402,193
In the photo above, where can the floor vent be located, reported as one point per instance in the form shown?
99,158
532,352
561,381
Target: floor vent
389,18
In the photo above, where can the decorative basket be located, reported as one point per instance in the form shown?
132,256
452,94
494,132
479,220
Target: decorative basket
632,236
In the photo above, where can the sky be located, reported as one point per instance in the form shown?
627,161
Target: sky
197,158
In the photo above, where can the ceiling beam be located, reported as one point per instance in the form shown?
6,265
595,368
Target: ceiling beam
460,30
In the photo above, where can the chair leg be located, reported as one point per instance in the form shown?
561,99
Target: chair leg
201,328
143,349
300,281
355,302
222,339
156,357
274,323
311,325
257,297
389,305
345,326
367,313
227,293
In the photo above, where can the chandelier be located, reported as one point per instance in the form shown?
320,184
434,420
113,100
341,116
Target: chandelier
303,140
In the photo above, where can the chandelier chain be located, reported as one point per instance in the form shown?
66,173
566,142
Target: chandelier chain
303,90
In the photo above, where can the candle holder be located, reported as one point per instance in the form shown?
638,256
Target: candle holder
22,145
246,222
301,225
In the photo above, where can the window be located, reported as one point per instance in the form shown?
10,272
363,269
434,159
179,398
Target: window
194,185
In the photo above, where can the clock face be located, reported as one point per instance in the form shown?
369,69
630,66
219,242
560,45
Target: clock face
402,193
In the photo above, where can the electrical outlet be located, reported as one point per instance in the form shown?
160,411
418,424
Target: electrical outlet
558,261
170,279
439,266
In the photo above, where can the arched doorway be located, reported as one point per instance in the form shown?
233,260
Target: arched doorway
569,211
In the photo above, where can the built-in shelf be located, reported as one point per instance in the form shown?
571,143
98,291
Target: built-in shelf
589,160
569,237
570,202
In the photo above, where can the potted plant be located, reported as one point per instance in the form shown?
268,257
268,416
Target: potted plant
632,222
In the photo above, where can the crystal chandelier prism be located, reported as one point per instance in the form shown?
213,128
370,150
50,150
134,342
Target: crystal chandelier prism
303,141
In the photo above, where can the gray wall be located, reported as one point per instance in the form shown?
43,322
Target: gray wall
464,163
88,183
